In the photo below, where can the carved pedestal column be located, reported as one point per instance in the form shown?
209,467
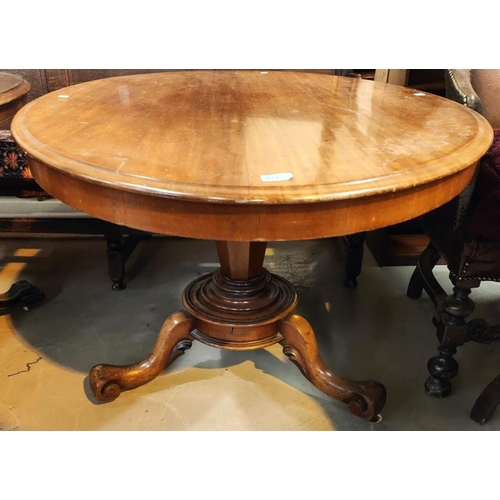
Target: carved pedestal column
241,306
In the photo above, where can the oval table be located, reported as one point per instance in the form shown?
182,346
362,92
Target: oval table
242,158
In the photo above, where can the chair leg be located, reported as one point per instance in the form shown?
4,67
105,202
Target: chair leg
451,333
423,278
442,368
354,258
118,252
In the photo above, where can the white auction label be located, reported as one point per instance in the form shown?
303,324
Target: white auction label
276,177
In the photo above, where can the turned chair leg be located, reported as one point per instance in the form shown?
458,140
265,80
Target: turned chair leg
451,333
116,265
354,258
449,321
22,293
118,251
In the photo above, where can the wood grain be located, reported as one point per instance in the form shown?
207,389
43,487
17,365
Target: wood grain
185,152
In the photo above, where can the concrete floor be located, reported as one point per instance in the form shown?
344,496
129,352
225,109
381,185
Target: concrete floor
374,332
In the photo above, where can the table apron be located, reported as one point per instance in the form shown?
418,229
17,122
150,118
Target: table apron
247,222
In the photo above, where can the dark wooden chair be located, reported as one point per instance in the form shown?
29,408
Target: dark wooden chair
466,234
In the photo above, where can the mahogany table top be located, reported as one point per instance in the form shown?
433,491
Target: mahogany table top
251,138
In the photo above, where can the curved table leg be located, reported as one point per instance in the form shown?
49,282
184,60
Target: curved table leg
364,399
107,381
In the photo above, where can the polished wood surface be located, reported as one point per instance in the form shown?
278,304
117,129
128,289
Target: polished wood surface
13,96
10,87
210,136
214,138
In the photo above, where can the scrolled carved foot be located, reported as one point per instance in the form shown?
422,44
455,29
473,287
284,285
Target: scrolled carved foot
108,381
365,399
104,386
368,402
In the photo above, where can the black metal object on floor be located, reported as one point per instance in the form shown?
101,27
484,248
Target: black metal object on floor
22,293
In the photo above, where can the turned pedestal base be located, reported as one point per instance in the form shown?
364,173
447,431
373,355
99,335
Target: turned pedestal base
241,306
